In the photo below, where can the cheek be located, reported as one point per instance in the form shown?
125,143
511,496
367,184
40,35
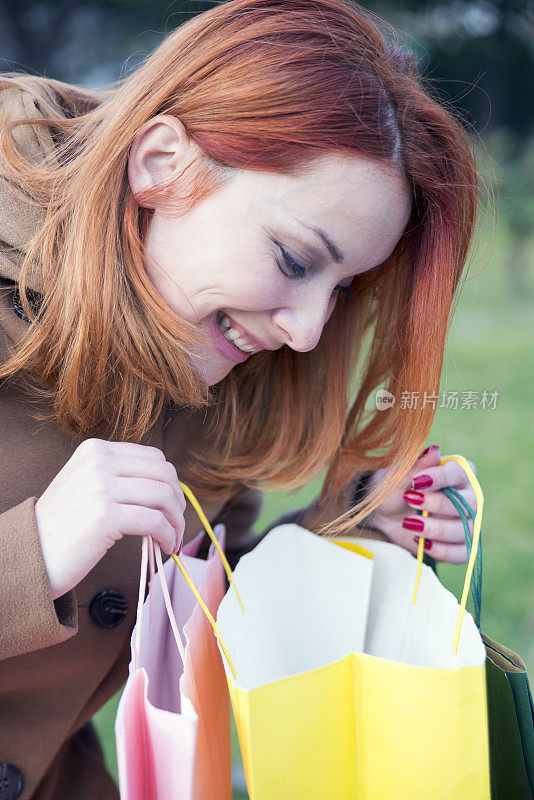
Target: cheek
211,273
158,237
160,261
254,275
258,287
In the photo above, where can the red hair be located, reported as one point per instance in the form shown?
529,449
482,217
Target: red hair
262,85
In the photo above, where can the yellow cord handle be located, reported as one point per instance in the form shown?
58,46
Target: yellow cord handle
474,547
181,566
204,520
420,551
207,612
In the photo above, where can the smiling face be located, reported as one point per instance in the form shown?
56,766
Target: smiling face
260,262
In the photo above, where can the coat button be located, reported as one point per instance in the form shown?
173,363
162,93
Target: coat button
34,299
108,608
10,782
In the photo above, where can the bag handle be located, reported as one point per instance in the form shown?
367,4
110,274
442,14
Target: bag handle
149,546
207,527
464,511
473,548
462,507
148,549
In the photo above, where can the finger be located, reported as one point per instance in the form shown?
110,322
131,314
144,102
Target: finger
448,474
156,469
442,529
219,530
134,520
437,502
131,449
440,551
455,553
150,494
429,457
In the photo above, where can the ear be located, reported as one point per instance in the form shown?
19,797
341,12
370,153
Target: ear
160,149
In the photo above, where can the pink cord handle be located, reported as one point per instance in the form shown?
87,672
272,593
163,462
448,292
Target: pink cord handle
149,548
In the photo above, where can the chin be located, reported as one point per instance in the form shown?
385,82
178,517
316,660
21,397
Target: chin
217,378
213,374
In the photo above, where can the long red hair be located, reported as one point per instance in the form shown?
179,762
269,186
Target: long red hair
263,85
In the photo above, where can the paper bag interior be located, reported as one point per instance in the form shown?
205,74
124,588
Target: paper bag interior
309,602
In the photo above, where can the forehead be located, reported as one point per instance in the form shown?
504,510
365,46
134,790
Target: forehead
363,204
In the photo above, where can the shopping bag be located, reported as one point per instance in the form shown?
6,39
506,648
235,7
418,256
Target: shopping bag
509,699
511,724
172,727
357,674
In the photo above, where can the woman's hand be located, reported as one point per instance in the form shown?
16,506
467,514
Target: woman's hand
442,529
105,491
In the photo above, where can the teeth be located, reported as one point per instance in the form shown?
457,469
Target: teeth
233,336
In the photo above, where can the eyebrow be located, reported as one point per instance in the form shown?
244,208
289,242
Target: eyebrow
333,249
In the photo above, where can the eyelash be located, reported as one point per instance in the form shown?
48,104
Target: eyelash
299,271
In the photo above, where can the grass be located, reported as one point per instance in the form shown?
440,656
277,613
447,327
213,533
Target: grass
490,348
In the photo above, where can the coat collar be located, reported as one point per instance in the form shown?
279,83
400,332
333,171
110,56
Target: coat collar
20,217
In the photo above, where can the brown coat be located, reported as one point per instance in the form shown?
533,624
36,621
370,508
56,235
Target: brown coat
58,664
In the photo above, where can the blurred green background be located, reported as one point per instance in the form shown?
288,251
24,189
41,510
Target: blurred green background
477,56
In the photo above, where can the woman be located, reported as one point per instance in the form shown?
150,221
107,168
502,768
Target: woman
207,272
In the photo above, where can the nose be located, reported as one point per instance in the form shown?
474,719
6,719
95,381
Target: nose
301,323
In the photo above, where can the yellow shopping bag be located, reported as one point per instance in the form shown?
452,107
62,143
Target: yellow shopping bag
357,674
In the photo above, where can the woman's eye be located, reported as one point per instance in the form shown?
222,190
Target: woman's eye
294,269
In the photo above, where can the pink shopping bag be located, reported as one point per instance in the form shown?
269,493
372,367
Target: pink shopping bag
172,728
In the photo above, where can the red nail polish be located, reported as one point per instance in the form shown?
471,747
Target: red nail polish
428,543
412,524
422,482
413,497
428,449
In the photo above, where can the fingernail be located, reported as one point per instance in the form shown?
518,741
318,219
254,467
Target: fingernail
413,497
428,543
428,449
412,524
422,482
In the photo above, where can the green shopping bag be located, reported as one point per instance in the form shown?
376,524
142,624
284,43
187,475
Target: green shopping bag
509,699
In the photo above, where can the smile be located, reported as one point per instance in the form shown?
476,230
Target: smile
237,338
231,342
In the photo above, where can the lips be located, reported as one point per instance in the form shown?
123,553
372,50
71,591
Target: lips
253,339
238,338
226,348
